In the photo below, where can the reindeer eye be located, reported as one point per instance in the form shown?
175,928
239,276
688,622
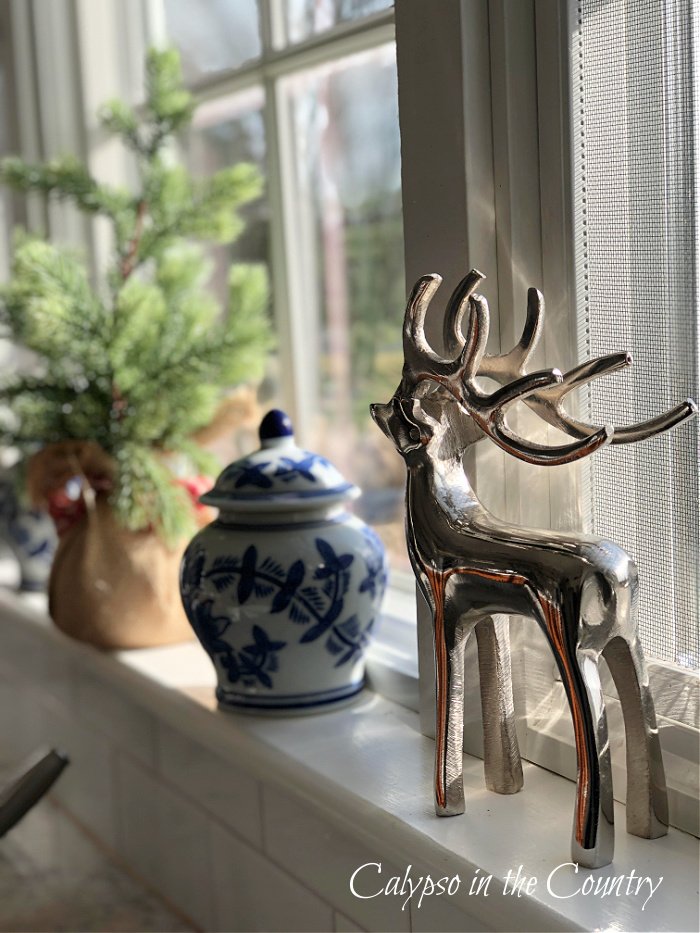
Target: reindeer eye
414,434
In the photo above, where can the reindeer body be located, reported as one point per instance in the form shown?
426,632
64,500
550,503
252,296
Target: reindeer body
475,570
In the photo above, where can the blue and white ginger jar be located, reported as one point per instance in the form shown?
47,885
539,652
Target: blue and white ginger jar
30,535
284,588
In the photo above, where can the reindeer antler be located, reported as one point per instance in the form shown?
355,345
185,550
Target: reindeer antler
548,403
458,375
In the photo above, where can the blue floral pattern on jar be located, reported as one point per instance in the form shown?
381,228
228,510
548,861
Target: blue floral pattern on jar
30,534
313,601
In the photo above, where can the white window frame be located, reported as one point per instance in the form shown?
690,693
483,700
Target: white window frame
486,173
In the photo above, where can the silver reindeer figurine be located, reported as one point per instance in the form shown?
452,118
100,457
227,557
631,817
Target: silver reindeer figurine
470,566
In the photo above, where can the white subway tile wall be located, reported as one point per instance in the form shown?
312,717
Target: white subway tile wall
116,716
229,795
252,893
308,846
226,850
166,839
240,824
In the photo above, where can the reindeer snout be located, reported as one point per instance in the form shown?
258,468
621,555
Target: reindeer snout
379,412
380,415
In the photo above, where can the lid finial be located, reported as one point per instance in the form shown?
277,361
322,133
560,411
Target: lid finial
275,426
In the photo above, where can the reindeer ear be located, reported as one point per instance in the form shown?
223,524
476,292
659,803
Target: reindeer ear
425,413
407,412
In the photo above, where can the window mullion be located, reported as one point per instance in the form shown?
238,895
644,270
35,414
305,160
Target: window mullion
276,63
272,24
556,197
111,69
293,275
155,21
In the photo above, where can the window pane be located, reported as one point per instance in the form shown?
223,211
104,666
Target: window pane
227,131
213,36
306,18
345,129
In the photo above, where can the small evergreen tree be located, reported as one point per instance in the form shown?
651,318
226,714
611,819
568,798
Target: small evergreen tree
139,363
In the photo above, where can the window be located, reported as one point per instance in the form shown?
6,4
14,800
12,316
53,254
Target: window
322,127
541,142
306,18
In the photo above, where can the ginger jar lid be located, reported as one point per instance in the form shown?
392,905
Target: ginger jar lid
279,476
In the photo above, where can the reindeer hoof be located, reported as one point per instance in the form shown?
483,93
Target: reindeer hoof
453,802
601,854
455,809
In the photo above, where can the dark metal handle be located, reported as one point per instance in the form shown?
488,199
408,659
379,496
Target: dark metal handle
29,785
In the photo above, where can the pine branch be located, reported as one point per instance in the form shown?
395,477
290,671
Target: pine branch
127,266
65,178
49,305
147,496
166,98
206,211
203,461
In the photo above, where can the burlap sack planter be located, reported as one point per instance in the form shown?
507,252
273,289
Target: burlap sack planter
108,586
116,588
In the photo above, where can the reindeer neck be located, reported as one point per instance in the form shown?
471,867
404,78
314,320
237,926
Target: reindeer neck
444,483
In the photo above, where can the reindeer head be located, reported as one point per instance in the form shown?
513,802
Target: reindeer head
438,408
431,422
423,416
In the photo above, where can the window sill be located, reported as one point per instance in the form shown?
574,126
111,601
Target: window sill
366,771
545,732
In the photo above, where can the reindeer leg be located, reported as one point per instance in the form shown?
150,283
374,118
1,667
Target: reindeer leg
449,724
503,770
450,639
647,802
593,836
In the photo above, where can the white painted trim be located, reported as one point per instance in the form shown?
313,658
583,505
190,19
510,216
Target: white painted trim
60,95
293,276
27,104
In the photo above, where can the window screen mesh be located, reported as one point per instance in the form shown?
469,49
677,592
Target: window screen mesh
636,190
